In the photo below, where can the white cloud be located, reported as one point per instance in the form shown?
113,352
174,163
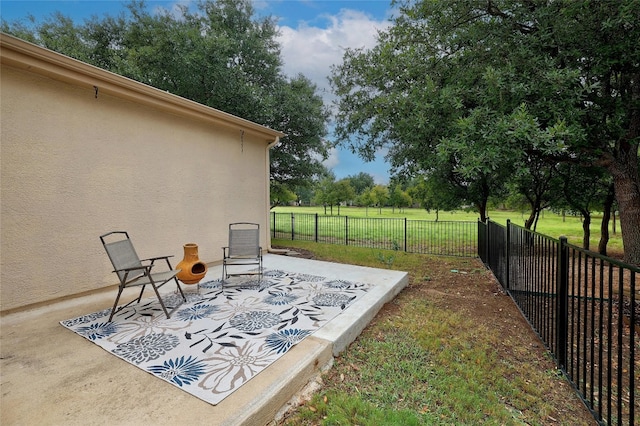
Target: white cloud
173,8
312,50
333,159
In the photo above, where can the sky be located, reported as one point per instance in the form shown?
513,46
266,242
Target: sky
313,37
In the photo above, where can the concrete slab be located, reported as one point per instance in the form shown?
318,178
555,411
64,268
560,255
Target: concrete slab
50,376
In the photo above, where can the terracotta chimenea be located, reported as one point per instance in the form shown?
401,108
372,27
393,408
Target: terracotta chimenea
192,269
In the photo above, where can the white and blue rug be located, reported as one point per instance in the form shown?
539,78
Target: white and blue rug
222,336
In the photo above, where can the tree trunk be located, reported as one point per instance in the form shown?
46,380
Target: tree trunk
604,225
482,210
627,189
529,222
613,214
535,223
533,217
626,181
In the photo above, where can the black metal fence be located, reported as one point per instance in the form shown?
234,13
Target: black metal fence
583,306
449,238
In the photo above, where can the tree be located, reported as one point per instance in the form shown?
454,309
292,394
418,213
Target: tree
299,112
280,195
361,182
324,191
585,190
304,194
436,194
366,199
536,183
218,54
403,94
380,196
609,62
399,198
607,207
343,192
484,86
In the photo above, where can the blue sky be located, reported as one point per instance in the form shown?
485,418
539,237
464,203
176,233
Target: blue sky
313,35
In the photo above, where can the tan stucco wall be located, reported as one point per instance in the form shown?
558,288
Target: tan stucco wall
74,166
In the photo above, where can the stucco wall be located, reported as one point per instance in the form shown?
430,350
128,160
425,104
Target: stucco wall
75,166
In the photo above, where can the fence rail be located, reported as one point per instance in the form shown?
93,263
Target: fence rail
583,306
449,238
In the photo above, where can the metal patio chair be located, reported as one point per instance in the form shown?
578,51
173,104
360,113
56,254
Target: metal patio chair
243,249
133,272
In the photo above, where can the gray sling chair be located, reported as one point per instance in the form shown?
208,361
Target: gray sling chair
243,249
133,272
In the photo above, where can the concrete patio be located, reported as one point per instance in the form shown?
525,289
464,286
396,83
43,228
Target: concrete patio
50,376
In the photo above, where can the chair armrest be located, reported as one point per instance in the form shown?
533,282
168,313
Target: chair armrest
153,259
146,269
156,258
135,268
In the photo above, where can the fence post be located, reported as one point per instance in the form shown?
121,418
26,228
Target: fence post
487,245
273,225
346,230
563,294
480,240
507,251
316,228
405,234
293,223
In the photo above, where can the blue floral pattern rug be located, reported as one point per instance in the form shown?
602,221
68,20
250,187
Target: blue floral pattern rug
224,335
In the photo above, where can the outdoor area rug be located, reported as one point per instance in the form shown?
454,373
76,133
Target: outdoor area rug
223,335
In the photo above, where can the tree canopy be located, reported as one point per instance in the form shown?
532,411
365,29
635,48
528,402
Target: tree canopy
492,94
217,53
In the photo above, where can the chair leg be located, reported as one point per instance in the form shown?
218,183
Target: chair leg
141,292
160,300
115,304
180,288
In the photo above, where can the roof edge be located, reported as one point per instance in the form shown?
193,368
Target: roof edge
30,57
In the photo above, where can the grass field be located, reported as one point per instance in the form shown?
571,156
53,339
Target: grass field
550,224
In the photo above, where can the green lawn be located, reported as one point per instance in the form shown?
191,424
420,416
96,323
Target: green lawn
550,224
450,349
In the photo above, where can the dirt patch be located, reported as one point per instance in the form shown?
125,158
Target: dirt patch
468,288
295,252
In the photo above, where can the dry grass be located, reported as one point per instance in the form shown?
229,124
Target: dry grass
452,348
